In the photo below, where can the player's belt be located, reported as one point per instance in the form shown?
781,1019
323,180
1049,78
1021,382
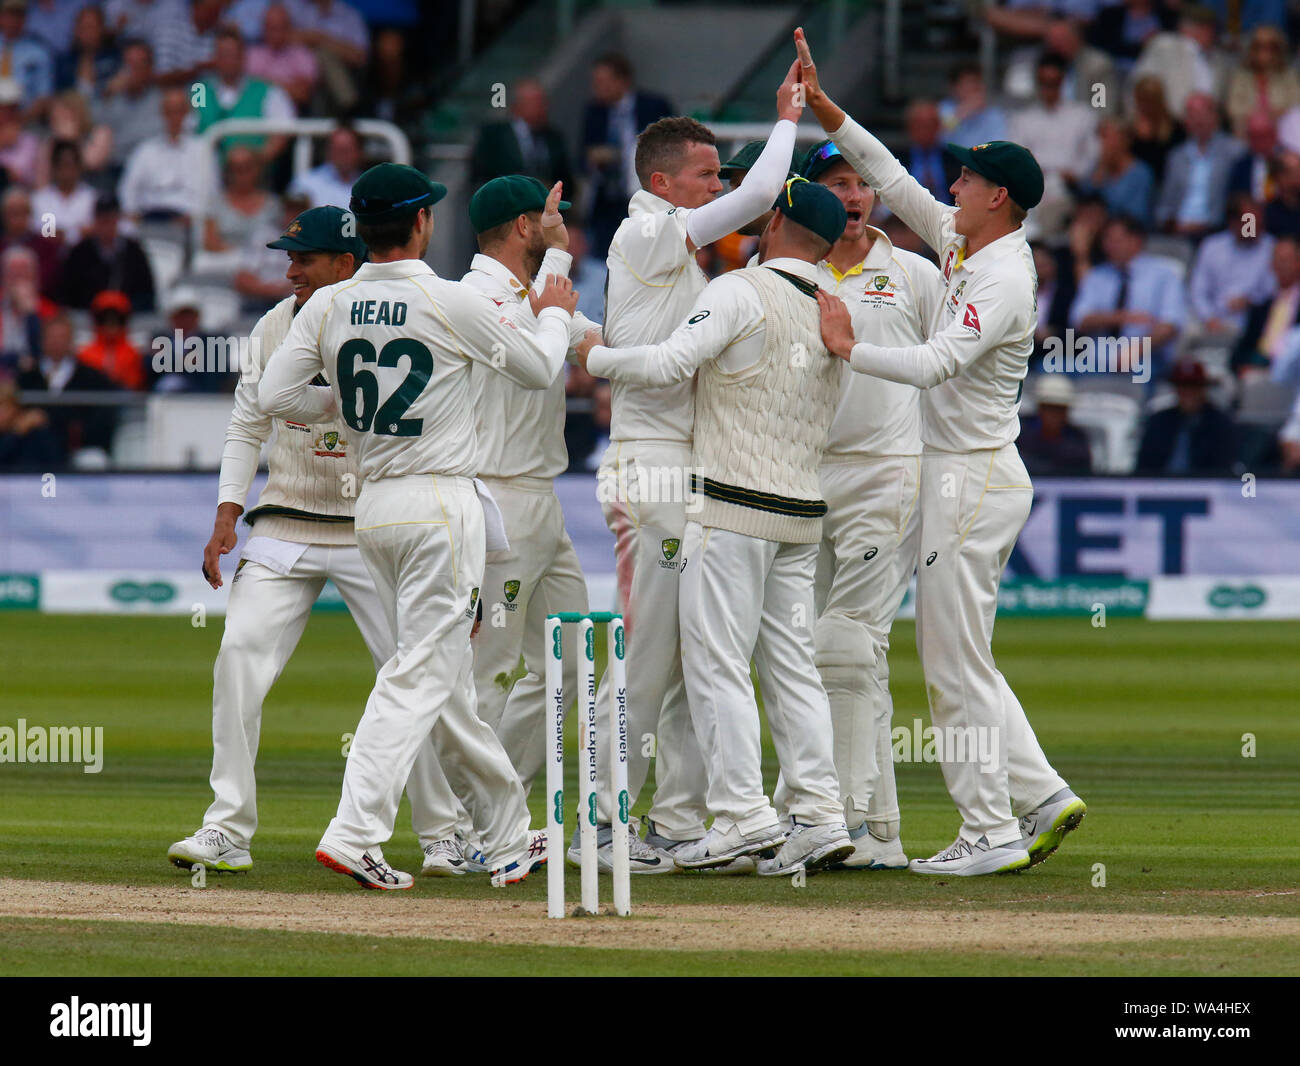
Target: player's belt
293,512
760,501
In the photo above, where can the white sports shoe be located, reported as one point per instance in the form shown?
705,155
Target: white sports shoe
642,858
210,848
964,859
532,860
808,848
743,865
1043,828
718,849
443,858
872,853
368,868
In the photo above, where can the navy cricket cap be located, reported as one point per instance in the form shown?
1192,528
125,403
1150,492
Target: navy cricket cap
814,207
506,198
322,229
391,191
1005,163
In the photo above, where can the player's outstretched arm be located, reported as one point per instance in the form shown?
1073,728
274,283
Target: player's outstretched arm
285,390
532,358
717,319
763,183
895,187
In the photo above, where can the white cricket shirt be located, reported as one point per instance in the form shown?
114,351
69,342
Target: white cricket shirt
396,342
973,365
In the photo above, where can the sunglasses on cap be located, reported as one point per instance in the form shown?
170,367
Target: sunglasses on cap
789,185
829,150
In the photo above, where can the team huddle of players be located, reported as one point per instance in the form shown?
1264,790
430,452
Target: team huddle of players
836,416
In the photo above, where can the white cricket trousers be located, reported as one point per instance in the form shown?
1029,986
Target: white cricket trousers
745,598
421,537
643,488
539,575
973,506
265,618
865,562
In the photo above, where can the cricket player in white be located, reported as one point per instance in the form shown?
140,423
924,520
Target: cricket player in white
975,493
652,285
765,399
870,480
303,536
397,342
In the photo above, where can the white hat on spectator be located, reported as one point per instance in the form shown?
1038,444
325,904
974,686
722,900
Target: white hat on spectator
183,297
1054,389
10,92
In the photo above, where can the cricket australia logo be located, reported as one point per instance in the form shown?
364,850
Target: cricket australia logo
330,446
511,589
670,548
473,602
880,292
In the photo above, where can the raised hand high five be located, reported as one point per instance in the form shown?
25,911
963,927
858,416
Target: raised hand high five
828,113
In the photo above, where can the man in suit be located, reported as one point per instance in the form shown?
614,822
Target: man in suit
105,259
1193,436
617,113
1253,172
526,143
924,156
58,371
1195,191
1269,319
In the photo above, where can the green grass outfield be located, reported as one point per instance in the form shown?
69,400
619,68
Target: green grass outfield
1146,720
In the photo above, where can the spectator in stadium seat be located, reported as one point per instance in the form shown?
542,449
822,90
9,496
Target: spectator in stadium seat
1063,137
249,16
389,90
526,143
20,148
70,120
26,440
260,279
1122,30
244,216
1282,211
16,230
105,259
129,104
167,176
1131,294
58,370
184,317
229,92
616,113
330,184
1048,443
111,351
1053,296
967,114
92,59
924,156
1193,198
52,22
341,40
1122,181
1155,131
67,198
1193,436
1243,16
1252,173
1032,18
1090,76
1268,319
184,39
1185,61
22,308
282,60
1263,82
23,57
1232,268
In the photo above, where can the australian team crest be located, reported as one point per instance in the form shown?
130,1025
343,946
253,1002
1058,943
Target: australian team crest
670,547
473,602
512,590
329,445
881,282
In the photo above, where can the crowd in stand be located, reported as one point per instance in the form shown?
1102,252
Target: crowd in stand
1169,135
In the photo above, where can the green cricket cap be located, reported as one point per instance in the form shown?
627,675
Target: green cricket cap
506,198
390,191
1005,163
814,207
322,229
818,159
747,156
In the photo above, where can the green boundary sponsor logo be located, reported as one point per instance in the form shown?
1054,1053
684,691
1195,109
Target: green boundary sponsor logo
1247,597
20,592
1074,596
142,591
